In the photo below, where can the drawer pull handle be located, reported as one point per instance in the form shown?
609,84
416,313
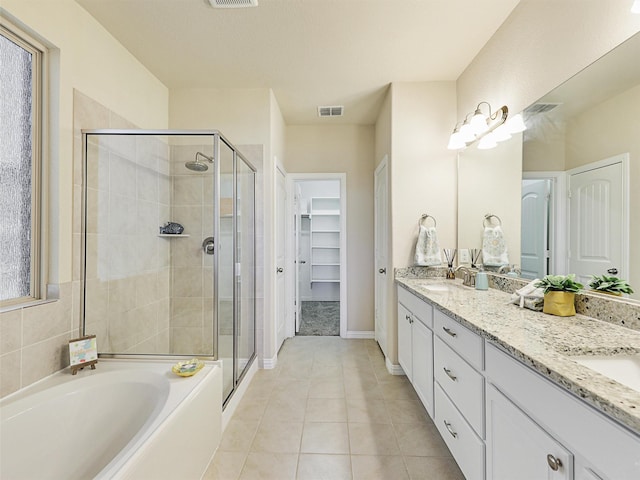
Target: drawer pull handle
449,374
448,425
554,463
450,332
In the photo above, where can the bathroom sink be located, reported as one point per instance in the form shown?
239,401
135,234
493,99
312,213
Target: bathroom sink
624,369
437,288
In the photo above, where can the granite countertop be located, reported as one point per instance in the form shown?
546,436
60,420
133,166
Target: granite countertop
543,342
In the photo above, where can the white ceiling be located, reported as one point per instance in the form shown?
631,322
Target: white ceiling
310,52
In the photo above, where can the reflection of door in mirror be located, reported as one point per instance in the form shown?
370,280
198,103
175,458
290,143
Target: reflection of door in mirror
598,219
534,250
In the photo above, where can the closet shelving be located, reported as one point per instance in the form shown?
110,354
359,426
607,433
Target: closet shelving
325,239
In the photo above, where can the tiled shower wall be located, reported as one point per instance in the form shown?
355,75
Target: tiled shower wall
127,263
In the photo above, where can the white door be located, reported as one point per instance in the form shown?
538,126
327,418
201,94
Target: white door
299,258
280,294
405,341
380,239
534,228
598,213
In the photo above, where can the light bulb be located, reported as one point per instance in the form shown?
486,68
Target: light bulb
455,141
479,123
466,132
515,124
501,133
487,142
635,8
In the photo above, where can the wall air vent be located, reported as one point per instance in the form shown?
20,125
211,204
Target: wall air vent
233,3
333,111
538,108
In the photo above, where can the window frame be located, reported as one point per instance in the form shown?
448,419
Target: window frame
38,270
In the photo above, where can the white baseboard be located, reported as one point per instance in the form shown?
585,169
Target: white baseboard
392,368
360,334
269,363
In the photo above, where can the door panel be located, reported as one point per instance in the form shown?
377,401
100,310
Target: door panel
381,239
535,221
281,310
596,222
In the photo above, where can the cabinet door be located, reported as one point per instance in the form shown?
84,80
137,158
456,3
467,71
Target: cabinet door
404,341
422,347
519,448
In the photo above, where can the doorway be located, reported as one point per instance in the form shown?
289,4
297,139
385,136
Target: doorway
318,250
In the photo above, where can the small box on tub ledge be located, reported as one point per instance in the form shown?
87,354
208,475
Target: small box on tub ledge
559,294
83,352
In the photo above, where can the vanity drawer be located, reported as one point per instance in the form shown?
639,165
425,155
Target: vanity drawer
468,344
463,385
465,446
421,309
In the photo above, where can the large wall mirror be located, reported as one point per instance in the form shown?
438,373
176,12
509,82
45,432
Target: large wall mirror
573,199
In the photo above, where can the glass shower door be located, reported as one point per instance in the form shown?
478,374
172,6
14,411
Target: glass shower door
245,261
226,274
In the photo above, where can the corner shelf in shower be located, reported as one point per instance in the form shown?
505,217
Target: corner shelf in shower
174,235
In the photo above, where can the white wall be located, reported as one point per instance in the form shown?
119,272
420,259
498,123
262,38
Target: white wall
423,176
86,58
348,149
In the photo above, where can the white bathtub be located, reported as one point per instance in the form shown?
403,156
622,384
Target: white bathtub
127,419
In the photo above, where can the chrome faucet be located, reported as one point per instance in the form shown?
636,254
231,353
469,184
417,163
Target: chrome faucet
469,279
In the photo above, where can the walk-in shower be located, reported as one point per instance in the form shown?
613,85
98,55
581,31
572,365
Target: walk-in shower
169,246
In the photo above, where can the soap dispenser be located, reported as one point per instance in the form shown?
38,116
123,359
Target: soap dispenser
512,272
482,282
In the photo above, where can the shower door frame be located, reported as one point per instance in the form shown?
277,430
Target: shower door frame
217,136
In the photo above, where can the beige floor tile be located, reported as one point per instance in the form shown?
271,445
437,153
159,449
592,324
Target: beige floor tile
238,436
372,439
362,390
269,466
433,468
286,409
277,437
403,390
291,388
251,409
323,370
367,467
324,467
325,438
420,439
406,411
367,410
225,466
326,410
330,388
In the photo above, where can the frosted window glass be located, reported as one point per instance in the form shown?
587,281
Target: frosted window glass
15,169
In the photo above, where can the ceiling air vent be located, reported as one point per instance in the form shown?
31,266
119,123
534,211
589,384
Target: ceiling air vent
233,3
538,108
334,111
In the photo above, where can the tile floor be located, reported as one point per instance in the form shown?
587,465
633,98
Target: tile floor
330,410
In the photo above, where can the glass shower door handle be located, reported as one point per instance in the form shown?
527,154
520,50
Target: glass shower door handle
208,245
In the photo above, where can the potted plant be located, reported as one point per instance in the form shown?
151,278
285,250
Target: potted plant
610,285
559,294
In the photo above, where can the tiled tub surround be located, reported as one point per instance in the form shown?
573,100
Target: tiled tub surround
543,342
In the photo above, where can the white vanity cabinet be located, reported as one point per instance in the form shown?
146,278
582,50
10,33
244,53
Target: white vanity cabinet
519,448
415,345
529,418
458,362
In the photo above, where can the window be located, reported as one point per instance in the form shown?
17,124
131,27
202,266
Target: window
21,80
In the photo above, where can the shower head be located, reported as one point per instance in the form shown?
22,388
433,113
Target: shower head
196,165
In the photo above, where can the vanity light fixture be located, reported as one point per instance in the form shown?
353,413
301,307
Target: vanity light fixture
635,8
489,129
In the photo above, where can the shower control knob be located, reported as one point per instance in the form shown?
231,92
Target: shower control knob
208,246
